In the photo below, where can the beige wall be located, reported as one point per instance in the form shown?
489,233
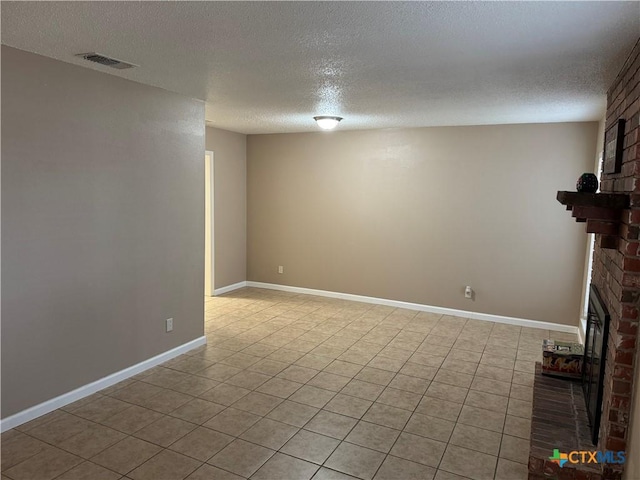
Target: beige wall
417,214
100,181
230,205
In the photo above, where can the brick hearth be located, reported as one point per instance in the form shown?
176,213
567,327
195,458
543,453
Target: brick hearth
559,420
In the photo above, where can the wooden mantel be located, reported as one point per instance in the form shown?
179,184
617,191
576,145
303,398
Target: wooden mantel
602,212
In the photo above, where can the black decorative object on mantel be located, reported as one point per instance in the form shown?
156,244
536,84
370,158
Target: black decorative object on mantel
587,183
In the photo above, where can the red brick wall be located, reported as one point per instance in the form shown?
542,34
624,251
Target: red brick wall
616,272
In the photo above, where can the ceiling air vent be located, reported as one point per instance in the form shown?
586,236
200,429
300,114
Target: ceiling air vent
106,61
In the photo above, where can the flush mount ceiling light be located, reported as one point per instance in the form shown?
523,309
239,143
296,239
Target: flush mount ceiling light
327,122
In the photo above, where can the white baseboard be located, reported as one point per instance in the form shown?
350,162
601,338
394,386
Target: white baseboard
229,288
91,388
522,322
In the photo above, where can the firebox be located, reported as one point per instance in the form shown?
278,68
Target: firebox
595,353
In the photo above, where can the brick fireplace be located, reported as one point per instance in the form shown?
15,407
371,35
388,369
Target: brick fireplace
559,418
614,215
616,271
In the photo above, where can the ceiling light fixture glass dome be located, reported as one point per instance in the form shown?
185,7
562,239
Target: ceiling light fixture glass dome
327,122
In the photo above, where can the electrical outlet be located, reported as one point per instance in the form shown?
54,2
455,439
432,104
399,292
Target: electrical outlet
468,292
280,269
169,324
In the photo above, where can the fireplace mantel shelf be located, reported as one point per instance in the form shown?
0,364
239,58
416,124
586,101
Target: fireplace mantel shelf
601,212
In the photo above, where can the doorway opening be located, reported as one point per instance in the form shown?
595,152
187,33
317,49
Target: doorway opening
209,237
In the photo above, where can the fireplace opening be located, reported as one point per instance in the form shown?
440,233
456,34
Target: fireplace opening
594,358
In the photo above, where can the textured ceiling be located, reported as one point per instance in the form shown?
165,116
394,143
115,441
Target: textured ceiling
266,67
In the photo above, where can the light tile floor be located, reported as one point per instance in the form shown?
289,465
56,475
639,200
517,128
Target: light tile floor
294,387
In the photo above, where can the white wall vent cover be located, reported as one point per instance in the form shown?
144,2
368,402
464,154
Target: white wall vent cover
106,61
